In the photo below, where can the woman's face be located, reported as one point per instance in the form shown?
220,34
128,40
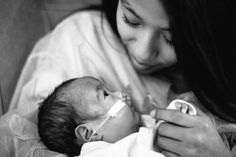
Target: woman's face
143,26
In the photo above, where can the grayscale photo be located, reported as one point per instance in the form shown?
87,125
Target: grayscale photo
118,78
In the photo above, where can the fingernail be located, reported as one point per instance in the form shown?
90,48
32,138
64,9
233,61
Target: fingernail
153,113
178,105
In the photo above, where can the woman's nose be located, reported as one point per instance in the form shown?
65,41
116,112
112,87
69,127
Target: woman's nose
149,44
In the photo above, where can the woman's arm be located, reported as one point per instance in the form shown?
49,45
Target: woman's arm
189,136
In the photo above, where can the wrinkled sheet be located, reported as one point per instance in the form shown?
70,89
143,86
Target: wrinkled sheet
19,138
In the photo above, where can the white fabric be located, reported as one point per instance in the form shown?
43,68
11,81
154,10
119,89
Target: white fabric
138,144
82,45
19,138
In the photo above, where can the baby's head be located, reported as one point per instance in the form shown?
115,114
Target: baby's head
68,117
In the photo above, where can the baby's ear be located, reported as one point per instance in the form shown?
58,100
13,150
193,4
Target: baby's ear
85,132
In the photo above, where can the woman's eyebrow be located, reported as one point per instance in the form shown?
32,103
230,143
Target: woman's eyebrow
127,5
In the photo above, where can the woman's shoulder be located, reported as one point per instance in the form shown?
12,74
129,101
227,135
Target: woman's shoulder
83,19
82,26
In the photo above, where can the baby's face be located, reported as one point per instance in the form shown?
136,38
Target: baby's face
97,99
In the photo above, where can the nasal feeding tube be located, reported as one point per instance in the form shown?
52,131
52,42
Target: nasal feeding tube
114,110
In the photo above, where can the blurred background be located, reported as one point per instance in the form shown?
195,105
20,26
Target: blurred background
22,23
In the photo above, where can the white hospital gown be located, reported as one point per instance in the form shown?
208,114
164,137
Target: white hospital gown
82,45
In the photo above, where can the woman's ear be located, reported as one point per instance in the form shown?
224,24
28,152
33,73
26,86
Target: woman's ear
85,132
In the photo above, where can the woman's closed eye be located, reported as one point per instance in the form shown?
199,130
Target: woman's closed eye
130,23
167,39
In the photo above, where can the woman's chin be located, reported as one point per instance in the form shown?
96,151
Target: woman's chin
144,69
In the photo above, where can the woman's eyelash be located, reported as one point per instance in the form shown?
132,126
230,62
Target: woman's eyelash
132,24
126,20
168,41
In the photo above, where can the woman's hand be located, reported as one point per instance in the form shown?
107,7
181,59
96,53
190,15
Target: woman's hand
188,136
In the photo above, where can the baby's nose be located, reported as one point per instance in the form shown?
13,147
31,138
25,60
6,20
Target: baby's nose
117,95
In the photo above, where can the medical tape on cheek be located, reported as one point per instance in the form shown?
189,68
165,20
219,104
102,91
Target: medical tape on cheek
114,110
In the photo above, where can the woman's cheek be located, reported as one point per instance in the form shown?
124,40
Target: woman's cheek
126,33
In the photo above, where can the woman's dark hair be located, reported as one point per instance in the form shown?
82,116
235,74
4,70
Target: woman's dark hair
109,7
204,38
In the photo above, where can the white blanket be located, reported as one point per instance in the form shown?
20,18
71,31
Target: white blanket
138,144
19,138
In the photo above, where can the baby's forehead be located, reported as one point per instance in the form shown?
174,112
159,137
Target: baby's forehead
88,83
83,88
84,95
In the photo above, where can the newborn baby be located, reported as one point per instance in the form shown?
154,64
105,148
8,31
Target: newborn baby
84,110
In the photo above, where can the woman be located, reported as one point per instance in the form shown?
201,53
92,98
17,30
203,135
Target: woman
85,44
152,32
203,36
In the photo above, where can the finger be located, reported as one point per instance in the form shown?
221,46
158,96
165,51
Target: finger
171,131
184,108
175,117
168,144
169,154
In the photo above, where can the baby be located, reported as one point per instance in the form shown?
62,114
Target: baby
84,110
